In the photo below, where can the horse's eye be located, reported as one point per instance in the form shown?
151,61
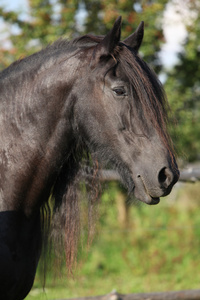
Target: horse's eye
119,91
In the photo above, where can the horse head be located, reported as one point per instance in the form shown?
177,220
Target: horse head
121,115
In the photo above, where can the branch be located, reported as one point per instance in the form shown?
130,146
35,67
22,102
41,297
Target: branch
179,295
188,175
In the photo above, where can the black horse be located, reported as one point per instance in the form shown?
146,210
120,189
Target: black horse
92,94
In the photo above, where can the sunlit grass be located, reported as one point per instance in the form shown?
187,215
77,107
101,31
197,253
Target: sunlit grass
159,250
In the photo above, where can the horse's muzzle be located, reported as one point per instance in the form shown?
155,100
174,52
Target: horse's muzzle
150,190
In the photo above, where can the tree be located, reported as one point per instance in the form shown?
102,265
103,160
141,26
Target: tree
49,20
183,87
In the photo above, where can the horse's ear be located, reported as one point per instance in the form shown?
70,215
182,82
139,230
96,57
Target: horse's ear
135,39
111,40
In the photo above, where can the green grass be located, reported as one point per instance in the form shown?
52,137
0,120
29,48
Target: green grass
159,250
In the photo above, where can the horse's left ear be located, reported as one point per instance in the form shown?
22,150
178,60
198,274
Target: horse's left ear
111,40
135,39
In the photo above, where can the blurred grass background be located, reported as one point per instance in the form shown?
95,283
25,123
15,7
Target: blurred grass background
155,249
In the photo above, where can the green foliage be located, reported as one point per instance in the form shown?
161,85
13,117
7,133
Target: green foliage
158,251
183,89
49,20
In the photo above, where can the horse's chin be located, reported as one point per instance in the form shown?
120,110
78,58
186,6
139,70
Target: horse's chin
142,194
154,201
150,200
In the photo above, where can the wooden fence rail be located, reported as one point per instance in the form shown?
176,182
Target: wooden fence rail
187,175
178,295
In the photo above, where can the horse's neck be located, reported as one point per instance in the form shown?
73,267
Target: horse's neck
36,135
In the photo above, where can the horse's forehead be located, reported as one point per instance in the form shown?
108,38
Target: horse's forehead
114,71
120,72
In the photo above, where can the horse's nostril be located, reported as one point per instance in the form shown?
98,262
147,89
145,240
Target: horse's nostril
162,176
165,177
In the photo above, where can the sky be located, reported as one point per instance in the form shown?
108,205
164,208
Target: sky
174,32
14,4
174,29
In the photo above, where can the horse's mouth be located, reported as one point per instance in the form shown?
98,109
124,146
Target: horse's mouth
148,199
154,201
